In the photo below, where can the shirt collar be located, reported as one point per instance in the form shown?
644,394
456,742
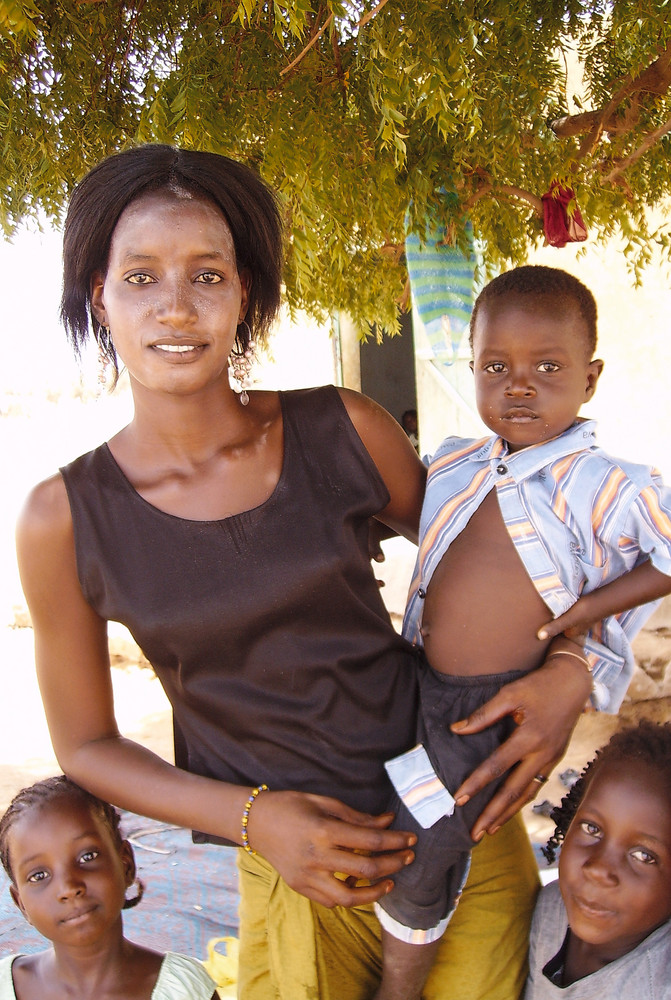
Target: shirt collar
522,464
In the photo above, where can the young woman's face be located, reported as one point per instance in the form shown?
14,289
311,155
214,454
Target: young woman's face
71,877
615,864
532,370
172,296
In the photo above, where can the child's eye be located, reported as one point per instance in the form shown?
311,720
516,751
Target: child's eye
547,367
591,829
209,278
37,876
139,278
495,367
645,857
89,856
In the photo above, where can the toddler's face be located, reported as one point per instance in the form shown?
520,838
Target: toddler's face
615,864
532,370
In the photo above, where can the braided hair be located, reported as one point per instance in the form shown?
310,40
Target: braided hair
56,789
648,742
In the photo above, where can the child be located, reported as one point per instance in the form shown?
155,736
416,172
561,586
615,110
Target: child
603,931
69,870
512,526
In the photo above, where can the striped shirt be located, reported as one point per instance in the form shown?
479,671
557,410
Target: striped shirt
578,518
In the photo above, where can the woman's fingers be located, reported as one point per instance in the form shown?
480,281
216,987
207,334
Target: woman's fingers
506,702
517,790
545,706
327,851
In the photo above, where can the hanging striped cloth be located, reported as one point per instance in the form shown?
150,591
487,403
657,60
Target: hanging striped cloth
441,282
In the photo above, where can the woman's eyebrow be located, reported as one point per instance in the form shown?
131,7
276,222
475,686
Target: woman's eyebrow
136,256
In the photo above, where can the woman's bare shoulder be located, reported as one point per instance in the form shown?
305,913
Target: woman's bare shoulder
46,508
44,531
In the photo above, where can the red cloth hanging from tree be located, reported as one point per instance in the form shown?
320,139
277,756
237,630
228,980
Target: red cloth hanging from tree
562,221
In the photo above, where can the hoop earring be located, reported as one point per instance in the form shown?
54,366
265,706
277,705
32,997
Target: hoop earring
240,364
129,903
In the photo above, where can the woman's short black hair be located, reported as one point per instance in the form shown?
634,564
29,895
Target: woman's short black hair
648,742
561,290
246,202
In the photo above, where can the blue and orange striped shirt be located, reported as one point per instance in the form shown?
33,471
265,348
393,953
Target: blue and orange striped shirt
578,518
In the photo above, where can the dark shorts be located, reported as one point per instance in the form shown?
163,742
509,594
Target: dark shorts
426,892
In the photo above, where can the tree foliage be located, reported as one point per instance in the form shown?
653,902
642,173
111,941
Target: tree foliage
361,113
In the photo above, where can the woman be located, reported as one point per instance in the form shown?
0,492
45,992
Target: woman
230,534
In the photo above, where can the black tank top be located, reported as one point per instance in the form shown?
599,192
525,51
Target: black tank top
266,629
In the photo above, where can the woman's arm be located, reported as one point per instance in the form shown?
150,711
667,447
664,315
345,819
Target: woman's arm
306,837
397,461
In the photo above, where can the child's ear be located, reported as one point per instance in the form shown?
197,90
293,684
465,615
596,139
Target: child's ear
16,898
594,370
128,861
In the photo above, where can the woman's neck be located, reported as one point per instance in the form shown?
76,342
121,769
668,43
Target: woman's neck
190,428
202,459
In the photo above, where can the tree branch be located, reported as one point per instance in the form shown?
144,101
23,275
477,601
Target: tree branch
371,14
315,38
655,79
506,190
620,165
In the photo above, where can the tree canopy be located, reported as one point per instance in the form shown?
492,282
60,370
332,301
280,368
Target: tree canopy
364,115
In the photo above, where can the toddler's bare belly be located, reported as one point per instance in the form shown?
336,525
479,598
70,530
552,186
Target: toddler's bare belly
482,611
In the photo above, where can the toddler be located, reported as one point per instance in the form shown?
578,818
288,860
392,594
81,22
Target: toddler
514,527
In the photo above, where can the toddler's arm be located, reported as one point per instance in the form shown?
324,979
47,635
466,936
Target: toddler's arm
639,586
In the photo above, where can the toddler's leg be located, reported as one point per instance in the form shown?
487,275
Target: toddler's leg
405,968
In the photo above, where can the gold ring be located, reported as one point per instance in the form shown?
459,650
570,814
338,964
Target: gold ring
540,778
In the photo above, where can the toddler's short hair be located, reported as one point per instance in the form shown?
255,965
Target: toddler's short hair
538,281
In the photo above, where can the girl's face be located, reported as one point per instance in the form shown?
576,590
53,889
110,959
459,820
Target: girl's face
71,877
172,296
615,864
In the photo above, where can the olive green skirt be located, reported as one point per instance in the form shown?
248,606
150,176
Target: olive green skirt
293,949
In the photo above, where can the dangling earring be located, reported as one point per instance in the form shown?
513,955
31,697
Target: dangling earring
240,363
129,903
103,361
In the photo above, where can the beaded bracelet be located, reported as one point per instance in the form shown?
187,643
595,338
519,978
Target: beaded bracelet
245,816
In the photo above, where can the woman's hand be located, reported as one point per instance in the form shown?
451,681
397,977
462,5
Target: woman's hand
308,838
545,705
